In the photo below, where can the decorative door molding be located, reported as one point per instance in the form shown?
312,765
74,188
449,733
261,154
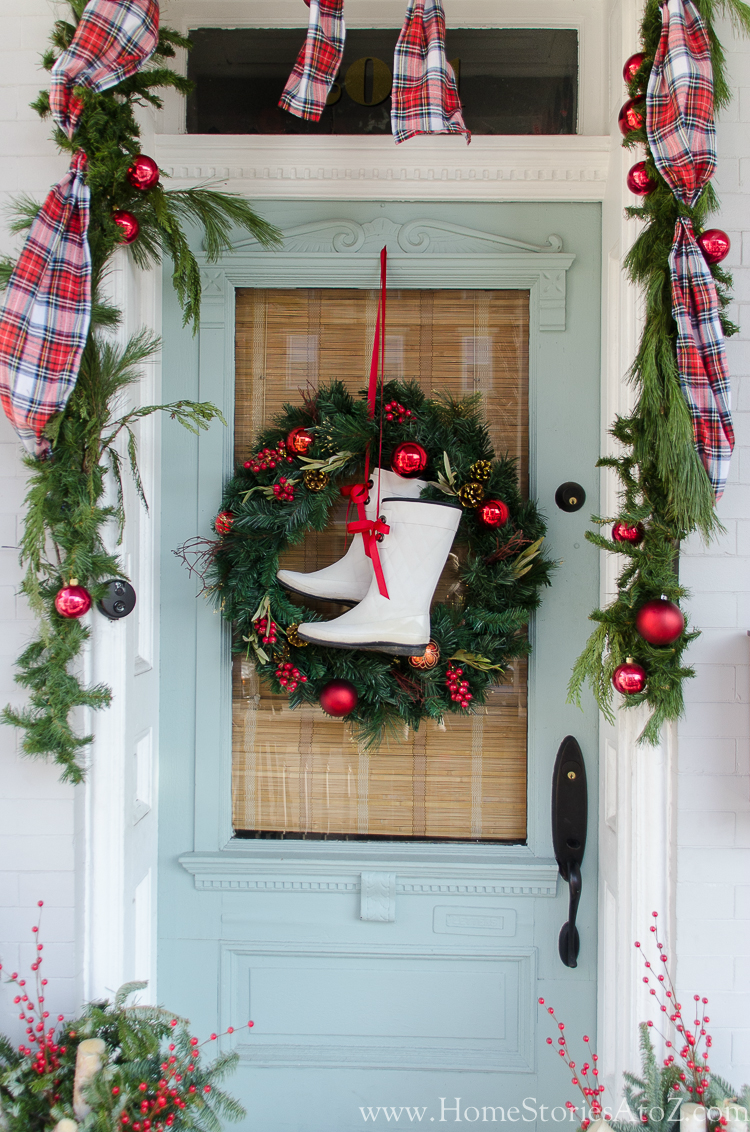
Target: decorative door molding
569,168
406,982
458,870
424,251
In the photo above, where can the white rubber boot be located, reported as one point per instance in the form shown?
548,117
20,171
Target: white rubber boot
412,555
349,578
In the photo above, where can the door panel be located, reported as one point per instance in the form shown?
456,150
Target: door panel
380,974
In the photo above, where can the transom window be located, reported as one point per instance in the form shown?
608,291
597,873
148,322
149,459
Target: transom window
511,81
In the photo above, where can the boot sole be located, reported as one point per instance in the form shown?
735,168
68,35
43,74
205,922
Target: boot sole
350,601
372,646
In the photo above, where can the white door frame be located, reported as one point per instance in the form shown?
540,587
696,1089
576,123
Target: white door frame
637,799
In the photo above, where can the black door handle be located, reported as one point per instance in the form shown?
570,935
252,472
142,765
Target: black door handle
569,824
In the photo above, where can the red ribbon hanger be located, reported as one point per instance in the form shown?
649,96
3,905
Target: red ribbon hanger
372,530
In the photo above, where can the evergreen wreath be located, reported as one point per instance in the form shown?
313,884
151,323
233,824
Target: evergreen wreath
478,630
666,494
66,517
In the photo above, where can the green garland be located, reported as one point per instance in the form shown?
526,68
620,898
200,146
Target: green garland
144,1046
66,514
664,484
480,627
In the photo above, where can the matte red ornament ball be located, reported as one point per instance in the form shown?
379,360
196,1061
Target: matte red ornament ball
143,174
631,116
493,513
714,244
659,622
72,600
338,697
300,441
223,522
128,225
639,181
409,459
629,678
632,66
623,532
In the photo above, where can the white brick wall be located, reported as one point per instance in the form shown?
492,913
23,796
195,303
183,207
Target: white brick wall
713,897
37,855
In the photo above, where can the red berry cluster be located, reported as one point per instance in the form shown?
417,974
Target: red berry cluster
155,1107
43,1052
395,411
591,1089
289,676
268,458
692,1033
459,689
266,630
283,491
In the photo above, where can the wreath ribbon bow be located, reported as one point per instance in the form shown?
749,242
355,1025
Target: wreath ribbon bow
371,530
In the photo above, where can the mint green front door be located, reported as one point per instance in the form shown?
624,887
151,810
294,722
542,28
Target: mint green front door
388,981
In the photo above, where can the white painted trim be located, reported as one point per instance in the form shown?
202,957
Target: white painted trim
569,168
637,841
118,848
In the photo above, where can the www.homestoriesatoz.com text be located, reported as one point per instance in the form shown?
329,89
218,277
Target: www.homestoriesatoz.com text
454,1110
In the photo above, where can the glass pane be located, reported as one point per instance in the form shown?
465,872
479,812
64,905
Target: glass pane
298,773
511,81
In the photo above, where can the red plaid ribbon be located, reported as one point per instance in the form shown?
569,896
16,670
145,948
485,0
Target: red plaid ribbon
45,316
425,95
682,136
312,76
113,40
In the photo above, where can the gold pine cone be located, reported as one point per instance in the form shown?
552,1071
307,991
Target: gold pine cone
471,494
315,480
482,470
294,638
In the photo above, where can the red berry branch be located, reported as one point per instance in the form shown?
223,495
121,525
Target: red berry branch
689,1038
584,1078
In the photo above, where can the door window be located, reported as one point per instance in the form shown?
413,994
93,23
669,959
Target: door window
298,773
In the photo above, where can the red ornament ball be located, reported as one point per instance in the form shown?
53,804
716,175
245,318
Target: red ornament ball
629,678
639,181
622,532
223,522
714,244
409,459
73,600
632,66
300,441
493,513
660,622
143,174
127,224
631,116
338,697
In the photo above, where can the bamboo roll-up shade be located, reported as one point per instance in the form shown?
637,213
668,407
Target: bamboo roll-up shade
298,772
